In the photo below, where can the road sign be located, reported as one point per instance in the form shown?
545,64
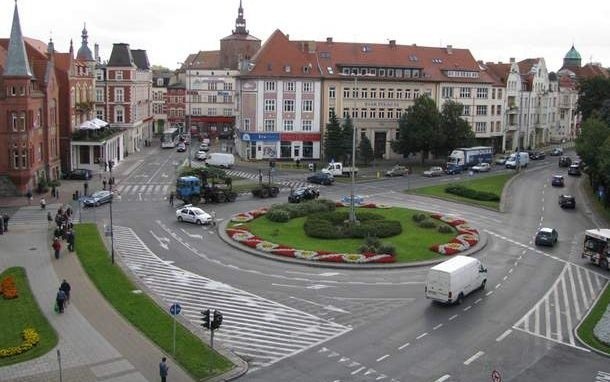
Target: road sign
175,309
495,376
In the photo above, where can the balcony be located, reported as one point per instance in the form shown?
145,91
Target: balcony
95,135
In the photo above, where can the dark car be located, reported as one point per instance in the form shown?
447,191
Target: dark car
557,181
97,198
536,155
546,236
567,201
574,169
303,193
565,161
321,178
557,151
80,174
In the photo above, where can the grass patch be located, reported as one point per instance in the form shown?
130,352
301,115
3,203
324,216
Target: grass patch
411,245
585,331
494,184
20,313
142,311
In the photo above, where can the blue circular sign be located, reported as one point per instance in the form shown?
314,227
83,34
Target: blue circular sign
175,309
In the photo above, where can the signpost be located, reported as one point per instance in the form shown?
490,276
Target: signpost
174,310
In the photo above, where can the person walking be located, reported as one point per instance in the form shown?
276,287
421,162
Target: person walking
104,183
65,286
163,369
85,187
60,299
53,191
56,246
171,198
29,196
43,203
70,239
5,219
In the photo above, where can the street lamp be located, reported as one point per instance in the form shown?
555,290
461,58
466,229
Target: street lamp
111,234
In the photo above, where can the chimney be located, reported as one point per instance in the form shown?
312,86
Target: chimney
96,50
512,60
392,43
329,39
449,49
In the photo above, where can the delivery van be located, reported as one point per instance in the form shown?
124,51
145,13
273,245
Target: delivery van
452,280
220,160
523,159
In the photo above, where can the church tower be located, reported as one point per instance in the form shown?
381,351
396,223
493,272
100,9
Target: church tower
240,45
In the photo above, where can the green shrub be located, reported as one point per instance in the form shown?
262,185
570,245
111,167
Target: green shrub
278,215
417,218
471,194
315,226
372,244
306,208
445,229
387,249
427,224
378,228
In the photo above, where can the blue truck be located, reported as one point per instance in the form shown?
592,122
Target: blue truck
463,158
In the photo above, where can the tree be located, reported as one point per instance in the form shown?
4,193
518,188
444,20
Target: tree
347,138
365,150
604,169
419,129
333,136
457,132
593,133
592,94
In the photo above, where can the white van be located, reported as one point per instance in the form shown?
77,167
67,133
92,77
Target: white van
220,160
511,162
452,280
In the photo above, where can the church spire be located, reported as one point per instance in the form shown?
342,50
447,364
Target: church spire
84,53
17,59
240,22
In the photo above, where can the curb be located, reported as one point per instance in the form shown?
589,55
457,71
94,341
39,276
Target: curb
585,316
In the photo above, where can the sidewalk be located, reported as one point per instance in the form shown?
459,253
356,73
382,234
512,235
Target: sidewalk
95,342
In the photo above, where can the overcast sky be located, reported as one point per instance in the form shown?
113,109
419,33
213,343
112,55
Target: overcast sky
170,30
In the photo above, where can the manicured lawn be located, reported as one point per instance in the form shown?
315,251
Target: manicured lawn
20,313
585,331
493,184
411,245
141,311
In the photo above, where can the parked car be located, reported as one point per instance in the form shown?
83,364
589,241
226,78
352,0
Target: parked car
501,160
80,174
574,169
97,198
303,193
397,170
567,201
181,147
321,178
565,161
557,151
191,214
201,155
482,167
434,171
557,181
204,147
546,236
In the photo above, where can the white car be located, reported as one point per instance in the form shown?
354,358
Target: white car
192,214
201,155
481,167
434,171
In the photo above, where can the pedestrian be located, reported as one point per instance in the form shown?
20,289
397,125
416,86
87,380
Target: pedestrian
43,203
1,226
163,369
171,198
65,286
5,219
70,239
49,217
110,165
60,299
56,246
57,193
86,187
29,196
105,166
104,183
53,191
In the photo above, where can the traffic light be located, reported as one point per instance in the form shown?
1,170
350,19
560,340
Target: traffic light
217,321
206,318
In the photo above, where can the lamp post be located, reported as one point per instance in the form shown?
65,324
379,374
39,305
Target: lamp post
188,103
111,235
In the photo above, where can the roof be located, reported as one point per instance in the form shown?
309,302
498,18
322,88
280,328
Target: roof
498,71
120,55
454,263
140,58
599,233
573,54
203,60
17,59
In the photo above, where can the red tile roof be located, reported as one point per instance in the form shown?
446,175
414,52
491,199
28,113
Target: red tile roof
204,60
498,71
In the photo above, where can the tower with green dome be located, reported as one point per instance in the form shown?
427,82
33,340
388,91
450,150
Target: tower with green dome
572,58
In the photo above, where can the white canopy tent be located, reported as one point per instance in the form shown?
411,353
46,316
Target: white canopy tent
88,125
99,122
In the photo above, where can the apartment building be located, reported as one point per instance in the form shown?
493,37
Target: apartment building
160,82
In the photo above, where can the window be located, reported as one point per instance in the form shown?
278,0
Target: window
288,125
99,113
307,87
119,95
99,95
307,149
345,113
408,93
285,149
355,113
331,112
269,105
499,93
227,86
269,125
416,93
307,105
447,92
466,110
118,75
480,127
227,112
482,93
212,86
373,113
99,75
364,93
381,113
354,93
363,113
288,105
332,92
269,86
119,114
374,93
247,124
464,92
481,109
391,93
307,124
212,98
382,93
499,110
212,111
290,86
14,121
345,92
391,113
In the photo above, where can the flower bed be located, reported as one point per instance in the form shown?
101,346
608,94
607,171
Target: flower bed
245,237
8,289
467,236
30,339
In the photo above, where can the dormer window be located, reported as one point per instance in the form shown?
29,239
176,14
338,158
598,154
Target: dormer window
118,75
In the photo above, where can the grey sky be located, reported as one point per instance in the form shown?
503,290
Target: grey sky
169,30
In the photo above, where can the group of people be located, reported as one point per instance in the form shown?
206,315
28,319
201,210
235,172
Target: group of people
110,182
64,230
107,165
62,299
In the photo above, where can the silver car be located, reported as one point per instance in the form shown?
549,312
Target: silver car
192,214
97,198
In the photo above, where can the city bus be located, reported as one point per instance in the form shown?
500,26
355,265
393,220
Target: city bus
169,138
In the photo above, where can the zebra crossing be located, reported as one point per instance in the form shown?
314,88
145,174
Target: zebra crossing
556,315
143,191
259,330
34,215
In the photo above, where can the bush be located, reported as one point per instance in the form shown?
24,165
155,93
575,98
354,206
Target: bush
387,249
379,228
417,218
278,215
427,224
315,226
306,208
445,229
471,194
337,225
372,244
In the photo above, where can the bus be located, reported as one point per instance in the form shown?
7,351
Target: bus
170,138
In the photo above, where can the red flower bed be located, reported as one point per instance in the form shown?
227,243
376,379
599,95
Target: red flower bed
8,289
467,236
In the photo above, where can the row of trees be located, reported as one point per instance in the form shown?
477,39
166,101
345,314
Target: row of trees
421,129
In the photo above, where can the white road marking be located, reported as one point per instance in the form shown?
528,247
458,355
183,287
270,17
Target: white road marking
404,346
421,336
489,293
359,369
453,317
437,326
504,335
467,308
473,358
443,378
382,358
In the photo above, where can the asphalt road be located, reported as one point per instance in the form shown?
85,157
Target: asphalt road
300,323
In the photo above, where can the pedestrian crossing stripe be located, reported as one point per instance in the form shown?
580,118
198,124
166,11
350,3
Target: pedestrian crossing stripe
261,330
